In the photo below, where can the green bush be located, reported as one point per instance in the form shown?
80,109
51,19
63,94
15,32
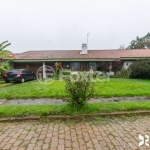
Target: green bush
55,75
116,66
118,73
60,75
80,88
95,74
140,69
123,73
105,66
66,73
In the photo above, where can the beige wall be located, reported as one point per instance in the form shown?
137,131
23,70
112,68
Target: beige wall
126,64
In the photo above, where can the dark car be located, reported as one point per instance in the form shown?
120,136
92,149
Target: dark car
19,75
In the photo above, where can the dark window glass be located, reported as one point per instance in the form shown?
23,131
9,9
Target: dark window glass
15,71
66,65
84,66
75,66
28,71
98,67
51,64
24,71
92,65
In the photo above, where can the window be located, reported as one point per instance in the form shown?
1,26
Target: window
66,65
92,65
75,66
26,71
98,67
83,66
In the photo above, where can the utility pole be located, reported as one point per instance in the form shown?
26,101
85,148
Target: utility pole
87,39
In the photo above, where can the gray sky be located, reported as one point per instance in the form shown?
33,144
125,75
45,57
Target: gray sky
64,24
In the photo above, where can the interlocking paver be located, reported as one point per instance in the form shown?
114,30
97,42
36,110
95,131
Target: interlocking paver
93,134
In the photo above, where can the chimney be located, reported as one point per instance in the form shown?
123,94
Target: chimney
84,49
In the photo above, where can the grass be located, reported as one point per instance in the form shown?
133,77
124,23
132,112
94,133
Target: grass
3,84
123,87
114,88
65,109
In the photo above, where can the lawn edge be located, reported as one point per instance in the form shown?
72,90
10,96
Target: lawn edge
78,116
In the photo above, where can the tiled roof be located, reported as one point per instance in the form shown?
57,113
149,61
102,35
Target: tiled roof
75,54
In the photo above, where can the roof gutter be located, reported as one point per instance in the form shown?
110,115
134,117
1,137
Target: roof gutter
133,58
54,60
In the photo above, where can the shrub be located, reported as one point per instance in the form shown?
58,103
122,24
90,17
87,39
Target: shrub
122,73
118,73
80,88
116,66
55,75
66,73
105,66
60,75
95,74
140,69
4,67
58,66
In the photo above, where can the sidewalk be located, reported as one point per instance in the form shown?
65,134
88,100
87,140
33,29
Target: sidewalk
95,134
40,101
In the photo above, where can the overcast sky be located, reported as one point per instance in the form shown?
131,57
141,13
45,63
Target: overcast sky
64,24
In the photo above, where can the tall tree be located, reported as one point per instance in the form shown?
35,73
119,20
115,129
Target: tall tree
4,54
140,43
147,40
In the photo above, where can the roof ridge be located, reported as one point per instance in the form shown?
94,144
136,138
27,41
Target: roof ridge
88,50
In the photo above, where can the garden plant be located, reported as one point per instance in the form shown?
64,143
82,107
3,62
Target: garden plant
79,87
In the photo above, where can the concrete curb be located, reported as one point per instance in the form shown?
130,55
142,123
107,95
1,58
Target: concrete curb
75,116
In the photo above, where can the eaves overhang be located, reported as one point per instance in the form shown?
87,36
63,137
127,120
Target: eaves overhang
62,59
133,58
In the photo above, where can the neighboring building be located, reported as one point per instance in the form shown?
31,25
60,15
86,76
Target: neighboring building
76,60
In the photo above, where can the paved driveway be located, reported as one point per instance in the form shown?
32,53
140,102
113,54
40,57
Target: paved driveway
95,134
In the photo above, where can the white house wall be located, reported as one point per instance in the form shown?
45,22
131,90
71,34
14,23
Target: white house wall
127,63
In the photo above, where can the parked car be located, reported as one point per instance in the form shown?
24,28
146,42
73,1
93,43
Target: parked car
19,75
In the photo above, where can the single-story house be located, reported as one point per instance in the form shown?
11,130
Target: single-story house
76,60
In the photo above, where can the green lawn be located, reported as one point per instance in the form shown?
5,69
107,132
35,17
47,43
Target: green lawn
3,84
44,110
116,87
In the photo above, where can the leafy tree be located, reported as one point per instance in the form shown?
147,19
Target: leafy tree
3,52
147,40
140,43
4,65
